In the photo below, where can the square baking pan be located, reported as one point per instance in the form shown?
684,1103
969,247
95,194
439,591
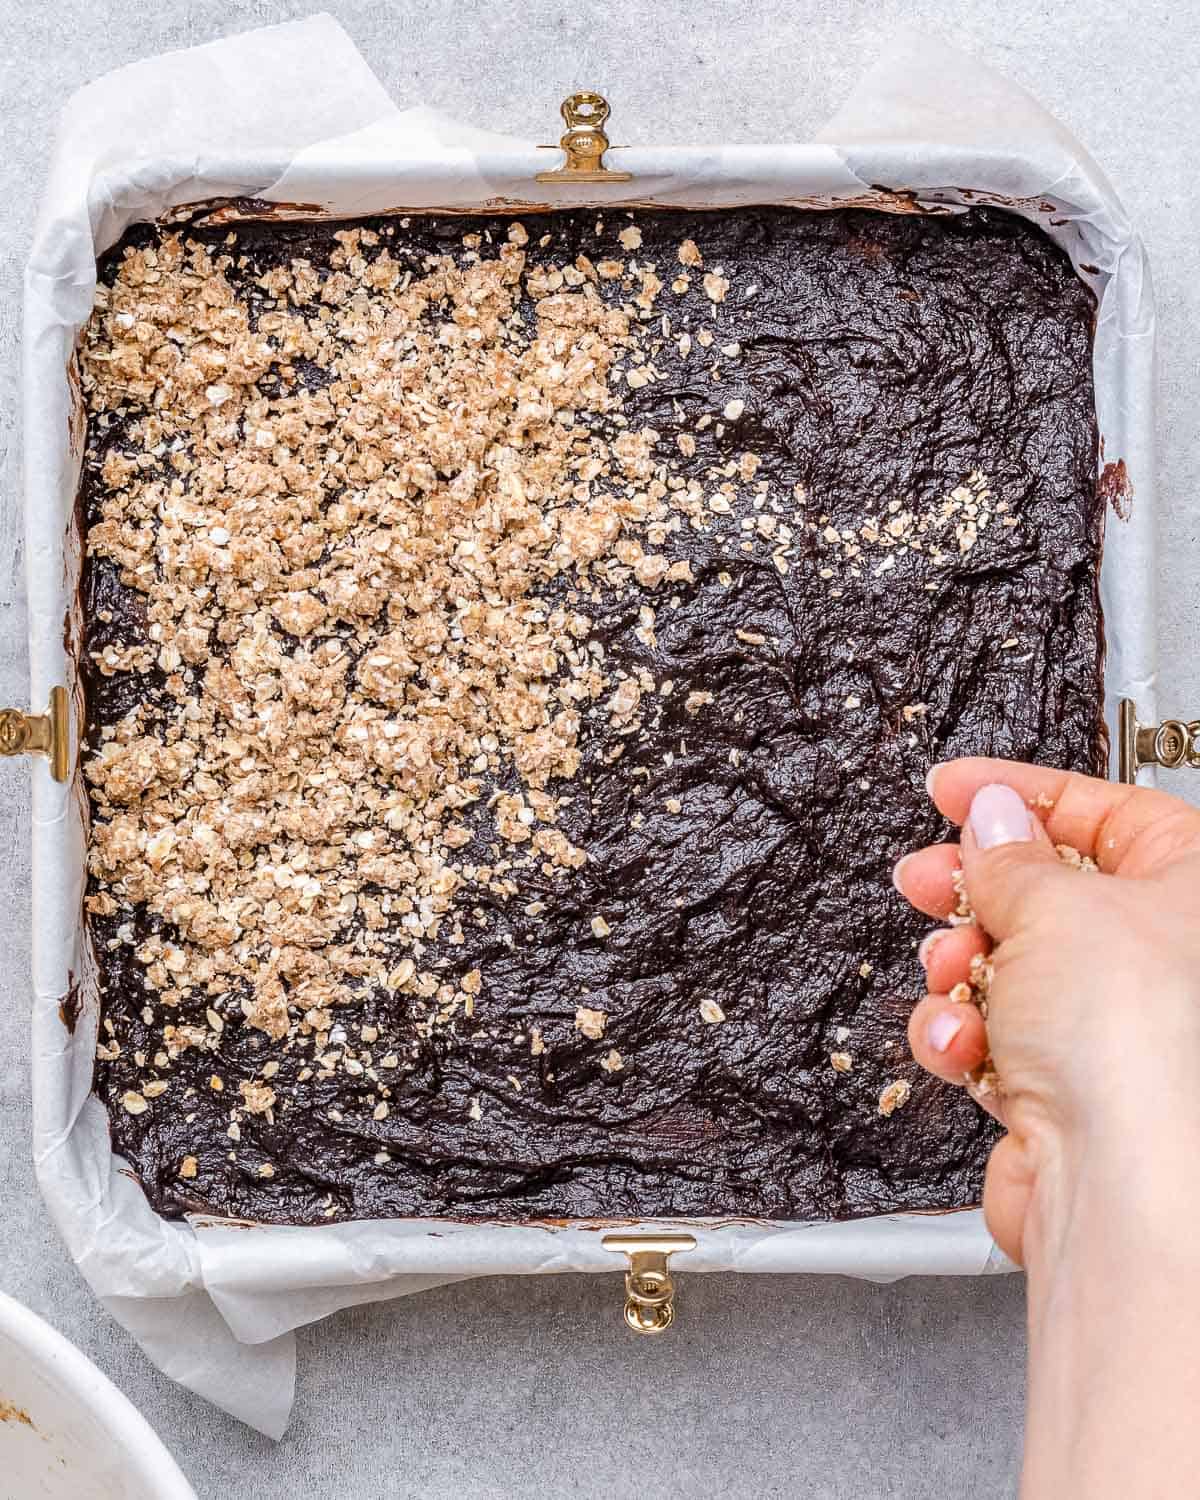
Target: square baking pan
235,1290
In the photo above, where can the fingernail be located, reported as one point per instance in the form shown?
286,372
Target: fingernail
999,816
942,1030
929,777
929,942
897,867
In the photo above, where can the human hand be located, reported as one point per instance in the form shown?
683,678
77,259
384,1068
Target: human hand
1094,1008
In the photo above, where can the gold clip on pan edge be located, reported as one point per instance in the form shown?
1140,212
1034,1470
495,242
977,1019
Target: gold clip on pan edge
47,734
1172,744
583,143
649,1289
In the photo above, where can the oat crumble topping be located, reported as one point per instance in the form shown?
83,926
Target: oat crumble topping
895,1096
590,1022
315,779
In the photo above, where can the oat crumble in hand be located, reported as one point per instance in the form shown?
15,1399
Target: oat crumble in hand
1094,1034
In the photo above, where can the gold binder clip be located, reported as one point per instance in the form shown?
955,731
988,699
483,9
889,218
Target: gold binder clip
1172,744
583,142
46,734
649,1289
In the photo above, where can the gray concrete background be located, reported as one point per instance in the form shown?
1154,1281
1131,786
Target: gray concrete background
768,1387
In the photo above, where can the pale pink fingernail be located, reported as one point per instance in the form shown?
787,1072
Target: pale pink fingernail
999,816
929,777
929,942
942,1030
897,867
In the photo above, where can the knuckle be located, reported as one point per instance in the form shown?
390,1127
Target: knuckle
1011,871
1171,838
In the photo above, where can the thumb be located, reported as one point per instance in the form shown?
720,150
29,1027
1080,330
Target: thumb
1007,858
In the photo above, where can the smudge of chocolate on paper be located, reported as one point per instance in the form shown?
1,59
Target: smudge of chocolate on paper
69,1007
1116,489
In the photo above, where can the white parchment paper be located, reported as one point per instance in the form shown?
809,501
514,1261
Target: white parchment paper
293,114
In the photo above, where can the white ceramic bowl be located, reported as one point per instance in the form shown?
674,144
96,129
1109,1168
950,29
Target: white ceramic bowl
66,1432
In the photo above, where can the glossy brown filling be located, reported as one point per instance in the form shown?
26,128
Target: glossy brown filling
739,849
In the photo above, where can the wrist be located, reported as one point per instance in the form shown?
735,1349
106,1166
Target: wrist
1114,1185
1112,1256
1123,1115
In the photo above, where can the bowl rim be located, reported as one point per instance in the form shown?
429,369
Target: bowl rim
144,1452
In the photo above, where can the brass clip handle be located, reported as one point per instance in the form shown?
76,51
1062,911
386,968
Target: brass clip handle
46,734
649,1288
1172,744
583,143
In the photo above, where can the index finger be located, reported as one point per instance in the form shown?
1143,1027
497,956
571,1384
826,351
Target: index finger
1126,829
